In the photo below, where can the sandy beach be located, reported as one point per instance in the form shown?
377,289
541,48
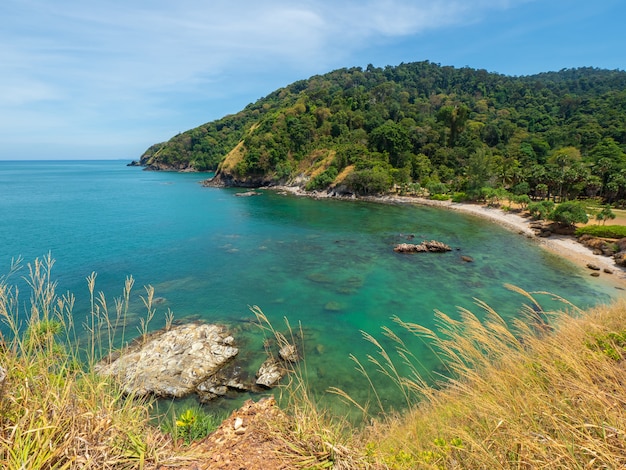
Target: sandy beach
563,246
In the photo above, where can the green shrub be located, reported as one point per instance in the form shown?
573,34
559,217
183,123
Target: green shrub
369,181
460,197
541,209
569,213
191,425
612,345
436,187
603,231
523,200
323,180
440,197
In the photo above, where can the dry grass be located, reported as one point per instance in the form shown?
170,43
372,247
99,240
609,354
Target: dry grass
54,413
543,391
522,397
310,438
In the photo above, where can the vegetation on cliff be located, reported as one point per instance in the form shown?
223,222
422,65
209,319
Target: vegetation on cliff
422,125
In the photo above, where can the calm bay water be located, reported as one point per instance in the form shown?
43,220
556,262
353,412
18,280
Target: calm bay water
327,264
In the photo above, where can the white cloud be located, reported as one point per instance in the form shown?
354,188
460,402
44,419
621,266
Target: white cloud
146,45
88,61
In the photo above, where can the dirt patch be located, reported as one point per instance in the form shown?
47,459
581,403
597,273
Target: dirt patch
248,440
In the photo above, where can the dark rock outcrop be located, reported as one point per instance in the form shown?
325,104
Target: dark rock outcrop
222,383
620,259
223,179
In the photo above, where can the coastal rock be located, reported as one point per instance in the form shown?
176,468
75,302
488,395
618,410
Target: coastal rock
432,246
289,353
275,368
270,373
542,228
620,259
593,267
228,179
467,259
222,382
599,246
171,363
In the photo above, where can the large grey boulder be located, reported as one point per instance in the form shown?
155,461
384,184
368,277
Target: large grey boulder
171,363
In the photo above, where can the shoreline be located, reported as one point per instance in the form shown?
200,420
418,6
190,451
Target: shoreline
563,246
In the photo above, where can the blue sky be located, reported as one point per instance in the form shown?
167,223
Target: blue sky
106,79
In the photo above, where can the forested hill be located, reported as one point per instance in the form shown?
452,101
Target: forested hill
421,125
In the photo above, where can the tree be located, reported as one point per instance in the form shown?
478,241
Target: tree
479,169
605,214
569,213
522,199
541,190
521,188
369,181
608,148
564,159
455,118
393,139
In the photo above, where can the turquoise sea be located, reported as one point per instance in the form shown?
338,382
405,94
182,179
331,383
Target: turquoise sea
328,265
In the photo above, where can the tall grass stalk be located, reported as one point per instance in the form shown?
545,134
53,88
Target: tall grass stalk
534,394
54,412
311,437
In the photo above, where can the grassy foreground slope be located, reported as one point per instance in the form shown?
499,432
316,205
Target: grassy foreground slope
552,399
544,392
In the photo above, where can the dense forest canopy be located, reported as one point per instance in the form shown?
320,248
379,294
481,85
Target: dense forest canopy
423,125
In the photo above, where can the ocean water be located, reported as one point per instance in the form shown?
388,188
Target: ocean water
326,265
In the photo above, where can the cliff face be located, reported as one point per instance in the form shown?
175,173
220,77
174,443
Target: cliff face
225,179
228,174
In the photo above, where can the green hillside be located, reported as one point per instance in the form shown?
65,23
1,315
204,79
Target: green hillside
421,125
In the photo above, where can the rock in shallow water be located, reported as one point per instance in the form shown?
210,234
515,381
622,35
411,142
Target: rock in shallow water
171,363
432,246
270,373
289,353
